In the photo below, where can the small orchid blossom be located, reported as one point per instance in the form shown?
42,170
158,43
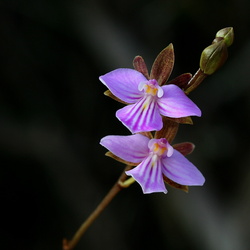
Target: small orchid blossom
154,158
148,100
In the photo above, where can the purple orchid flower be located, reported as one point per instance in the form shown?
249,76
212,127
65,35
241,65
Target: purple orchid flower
154,158
147,100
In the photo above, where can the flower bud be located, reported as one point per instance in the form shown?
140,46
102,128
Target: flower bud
227,34
214,56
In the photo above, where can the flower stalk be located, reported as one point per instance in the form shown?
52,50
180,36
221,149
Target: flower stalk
118,186
195,81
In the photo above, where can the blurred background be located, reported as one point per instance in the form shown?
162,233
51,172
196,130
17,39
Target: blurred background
53,114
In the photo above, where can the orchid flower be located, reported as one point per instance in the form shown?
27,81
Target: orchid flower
154,159
147,100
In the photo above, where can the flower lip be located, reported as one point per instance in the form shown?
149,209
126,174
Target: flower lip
151,87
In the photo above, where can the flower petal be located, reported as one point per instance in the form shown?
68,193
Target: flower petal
123,83
181,170
141,117
132,148
176,104
149,175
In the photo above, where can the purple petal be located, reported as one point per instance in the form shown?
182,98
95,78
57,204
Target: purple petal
141,117
181,170
176,104
132,148
149,175
123,83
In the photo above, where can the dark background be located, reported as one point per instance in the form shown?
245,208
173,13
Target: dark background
53,114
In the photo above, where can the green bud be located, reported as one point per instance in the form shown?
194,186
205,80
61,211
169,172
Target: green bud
227,34
213,56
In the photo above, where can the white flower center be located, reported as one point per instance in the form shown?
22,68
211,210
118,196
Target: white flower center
151,88
160,147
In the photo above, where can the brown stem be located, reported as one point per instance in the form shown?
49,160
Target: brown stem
195,81
69,245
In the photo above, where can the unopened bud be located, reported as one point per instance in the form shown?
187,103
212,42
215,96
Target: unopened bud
227,34
213,57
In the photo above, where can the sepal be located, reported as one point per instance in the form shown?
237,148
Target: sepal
147,134
110,94
182,80
140,65
110,154
185,148
168,131
182,120
163,65
175,185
